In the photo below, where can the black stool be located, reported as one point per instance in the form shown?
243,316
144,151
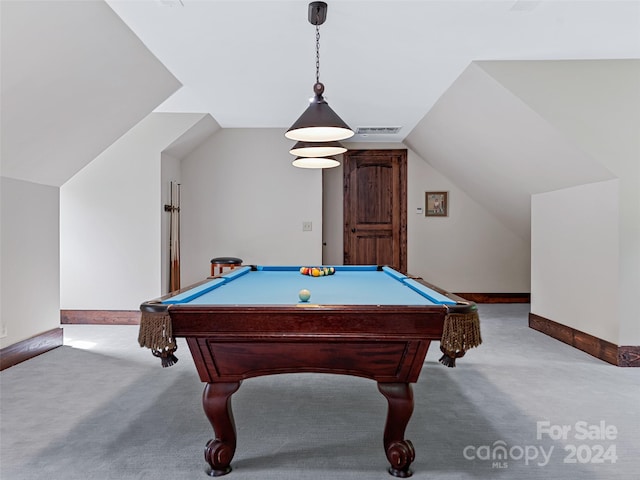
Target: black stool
224,262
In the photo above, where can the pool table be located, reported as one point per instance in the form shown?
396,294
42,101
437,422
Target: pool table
368,321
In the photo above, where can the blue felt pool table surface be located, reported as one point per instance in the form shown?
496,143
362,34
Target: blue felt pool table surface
280,285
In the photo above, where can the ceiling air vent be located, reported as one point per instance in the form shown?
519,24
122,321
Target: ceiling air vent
377,130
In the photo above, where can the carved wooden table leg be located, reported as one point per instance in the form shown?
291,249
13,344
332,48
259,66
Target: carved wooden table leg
216,401
400,452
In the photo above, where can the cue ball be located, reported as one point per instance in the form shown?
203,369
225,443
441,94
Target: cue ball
304,295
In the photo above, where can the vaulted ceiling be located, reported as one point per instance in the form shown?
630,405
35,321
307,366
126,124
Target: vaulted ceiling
74,79
383,63
78,75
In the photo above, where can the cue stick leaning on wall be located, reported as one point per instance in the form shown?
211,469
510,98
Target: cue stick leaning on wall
174,238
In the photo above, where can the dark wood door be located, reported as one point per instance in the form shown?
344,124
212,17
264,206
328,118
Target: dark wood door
375,208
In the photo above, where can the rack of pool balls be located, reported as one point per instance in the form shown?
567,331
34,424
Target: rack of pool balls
317,271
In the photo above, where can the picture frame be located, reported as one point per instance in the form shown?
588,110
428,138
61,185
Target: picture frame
436,204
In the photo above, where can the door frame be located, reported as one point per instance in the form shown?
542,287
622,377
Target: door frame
403,180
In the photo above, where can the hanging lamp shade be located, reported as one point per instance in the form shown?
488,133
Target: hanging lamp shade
319,128
319,123
315,162
317,149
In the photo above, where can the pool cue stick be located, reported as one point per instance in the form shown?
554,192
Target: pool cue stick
174,277
176,254
170,210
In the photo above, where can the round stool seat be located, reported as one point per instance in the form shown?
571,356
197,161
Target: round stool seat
226,261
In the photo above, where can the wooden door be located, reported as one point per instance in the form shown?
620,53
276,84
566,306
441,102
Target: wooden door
375,208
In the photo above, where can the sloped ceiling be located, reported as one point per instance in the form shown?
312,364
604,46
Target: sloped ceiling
498,149
189,140
595,103
251,64
74,79
413,64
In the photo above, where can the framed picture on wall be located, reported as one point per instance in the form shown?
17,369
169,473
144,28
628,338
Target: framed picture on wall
437,204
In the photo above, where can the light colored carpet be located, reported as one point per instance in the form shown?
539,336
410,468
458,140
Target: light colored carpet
103,408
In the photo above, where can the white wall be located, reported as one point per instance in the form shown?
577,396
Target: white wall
242,197
575,257
75,78
468,251
498,149
595,103
110,220
333,214
30,281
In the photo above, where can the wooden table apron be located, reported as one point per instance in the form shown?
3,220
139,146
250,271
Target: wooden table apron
230,343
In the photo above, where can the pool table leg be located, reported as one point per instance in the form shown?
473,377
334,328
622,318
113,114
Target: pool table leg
219,452
400,452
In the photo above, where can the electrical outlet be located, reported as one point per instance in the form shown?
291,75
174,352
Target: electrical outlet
307,226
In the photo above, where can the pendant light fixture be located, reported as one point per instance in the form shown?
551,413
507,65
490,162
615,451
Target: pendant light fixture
315,162
317,149
318,123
